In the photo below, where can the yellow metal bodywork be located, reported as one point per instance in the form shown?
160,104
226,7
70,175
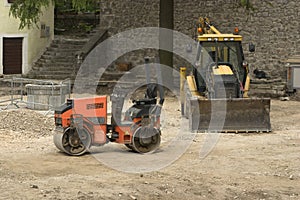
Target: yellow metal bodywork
206,27
247,86
211,33
222,70
182,77
192,85
219,37
182,80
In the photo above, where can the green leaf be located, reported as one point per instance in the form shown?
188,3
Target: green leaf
29,11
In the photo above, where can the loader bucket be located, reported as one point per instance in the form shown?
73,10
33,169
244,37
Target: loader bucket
230,115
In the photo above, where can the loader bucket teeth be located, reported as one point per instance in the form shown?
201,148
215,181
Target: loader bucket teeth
230,115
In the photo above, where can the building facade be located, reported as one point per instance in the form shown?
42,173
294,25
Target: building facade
19,49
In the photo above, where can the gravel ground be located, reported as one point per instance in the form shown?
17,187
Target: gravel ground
26,122
241,166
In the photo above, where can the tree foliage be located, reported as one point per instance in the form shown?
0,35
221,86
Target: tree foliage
77,6
29,11
246,4
80,5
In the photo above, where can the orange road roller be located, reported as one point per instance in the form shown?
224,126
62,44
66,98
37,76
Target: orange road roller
83,122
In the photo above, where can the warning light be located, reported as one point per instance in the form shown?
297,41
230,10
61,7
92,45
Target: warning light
200,31
236,30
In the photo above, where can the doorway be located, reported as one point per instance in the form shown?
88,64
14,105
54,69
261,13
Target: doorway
12,55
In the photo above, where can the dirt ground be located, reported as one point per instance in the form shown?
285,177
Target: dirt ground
241,166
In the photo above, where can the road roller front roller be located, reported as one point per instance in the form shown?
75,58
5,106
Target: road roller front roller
73,141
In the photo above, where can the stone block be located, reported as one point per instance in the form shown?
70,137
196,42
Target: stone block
44,97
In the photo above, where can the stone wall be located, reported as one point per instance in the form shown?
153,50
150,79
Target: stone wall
119,16
127,14
273,27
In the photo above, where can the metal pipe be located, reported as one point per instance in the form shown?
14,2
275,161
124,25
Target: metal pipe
11,91
160,83
22,91
69,88
214,29
182,93
147,70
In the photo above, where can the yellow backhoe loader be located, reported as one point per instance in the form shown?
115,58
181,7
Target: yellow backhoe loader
217,95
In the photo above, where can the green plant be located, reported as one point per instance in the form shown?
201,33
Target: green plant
85,27
29,11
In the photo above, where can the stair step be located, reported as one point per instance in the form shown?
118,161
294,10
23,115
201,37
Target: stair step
64,48
52,77
53,63
70,41
58,68
112,75
58,72
56,59
60,53
35,67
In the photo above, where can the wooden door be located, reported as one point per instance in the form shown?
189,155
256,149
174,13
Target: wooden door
12,55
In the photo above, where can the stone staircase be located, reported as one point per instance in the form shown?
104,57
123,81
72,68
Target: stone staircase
59,60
